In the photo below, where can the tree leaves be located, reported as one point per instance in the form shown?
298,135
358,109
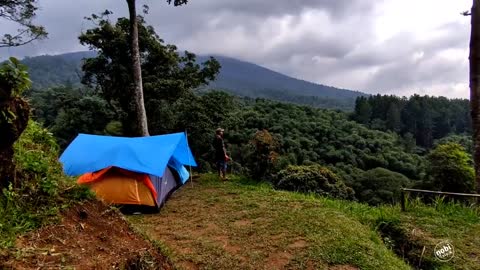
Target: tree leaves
21,12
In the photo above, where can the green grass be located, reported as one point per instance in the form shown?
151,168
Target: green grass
215,225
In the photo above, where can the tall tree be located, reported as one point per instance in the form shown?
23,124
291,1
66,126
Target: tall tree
394,121
363,110
167,74
138,103
137,95
20,12
474,59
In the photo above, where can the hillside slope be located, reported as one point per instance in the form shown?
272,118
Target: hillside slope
51,70
236,76
243,225
252,80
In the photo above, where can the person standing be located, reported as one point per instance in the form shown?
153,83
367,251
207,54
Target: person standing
221,156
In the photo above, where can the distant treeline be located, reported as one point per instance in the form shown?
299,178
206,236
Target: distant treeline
424,118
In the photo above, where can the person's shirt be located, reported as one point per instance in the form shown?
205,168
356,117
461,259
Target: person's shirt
219,146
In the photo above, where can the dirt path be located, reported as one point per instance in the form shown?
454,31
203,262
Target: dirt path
90,236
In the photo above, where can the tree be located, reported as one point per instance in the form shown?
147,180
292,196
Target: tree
379,185
474,59
167,75
450,168
265,153
363,110
138,103
14,114
394,121
20,12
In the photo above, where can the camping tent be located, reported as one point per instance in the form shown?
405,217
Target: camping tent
137,174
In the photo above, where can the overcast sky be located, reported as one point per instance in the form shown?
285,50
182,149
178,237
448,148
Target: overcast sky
375,46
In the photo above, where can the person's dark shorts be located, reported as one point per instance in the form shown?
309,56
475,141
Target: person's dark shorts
221,165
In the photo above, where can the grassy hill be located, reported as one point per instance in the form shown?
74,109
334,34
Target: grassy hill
236,76
240,224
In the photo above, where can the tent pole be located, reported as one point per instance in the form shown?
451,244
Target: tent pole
190,166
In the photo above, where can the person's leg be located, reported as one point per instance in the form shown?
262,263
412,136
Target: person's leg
224,171
219,169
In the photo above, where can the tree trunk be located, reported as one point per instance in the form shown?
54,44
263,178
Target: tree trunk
474,59
138,105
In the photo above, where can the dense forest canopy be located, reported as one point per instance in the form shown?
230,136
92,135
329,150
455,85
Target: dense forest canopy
424,118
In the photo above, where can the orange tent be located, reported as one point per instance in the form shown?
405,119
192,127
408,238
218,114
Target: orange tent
129,189
118,186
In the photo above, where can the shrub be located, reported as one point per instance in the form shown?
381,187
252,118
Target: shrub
451,168
40,189
379,186
312,178
36,158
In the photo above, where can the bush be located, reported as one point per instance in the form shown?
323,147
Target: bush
312,178
451,168
40,190
379,186
36,158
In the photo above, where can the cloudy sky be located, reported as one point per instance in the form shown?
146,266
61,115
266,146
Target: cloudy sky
375,46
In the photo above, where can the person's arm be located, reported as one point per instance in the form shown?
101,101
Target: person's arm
227,158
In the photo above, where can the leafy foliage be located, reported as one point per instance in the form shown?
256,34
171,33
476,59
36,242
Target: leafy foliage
309,135
14,79
42,190
36,155
451,168
167,75
265,154
22,13
313,178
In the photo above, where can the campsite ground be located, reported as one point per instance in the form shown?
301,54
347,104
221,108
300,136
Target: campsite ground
242,225
90,236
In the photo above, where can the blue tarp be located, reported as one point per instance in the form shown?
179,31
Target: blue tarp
90,153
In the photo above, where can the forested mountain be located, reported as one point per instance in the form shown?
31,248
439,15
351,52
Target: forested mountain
247,79
53,70
237,77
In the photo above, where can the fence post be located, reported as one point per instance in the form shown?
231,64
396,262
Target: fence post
402,200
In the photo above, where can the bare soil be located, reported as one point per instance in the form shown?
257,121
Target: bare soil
90,236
